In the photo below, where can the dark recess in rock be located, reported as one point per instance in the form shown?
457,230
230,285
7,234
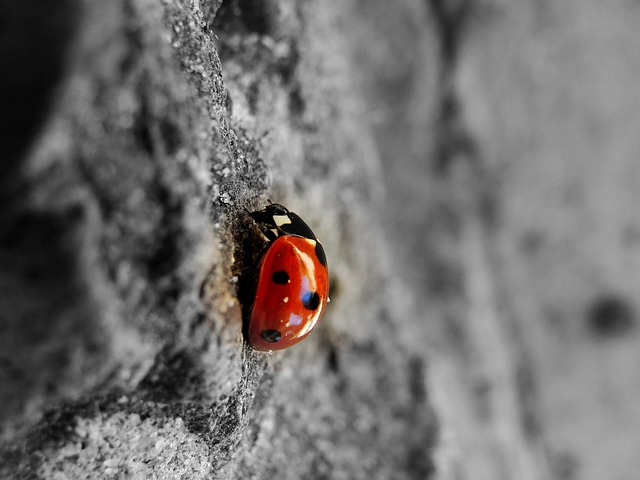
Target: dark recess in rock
611,316
35,37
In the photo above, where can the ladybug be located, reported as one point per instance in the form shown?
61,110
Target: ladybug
292,287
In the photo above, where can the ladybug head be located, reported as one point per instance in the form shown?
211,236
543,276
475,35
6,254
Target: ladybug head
275,209
269,213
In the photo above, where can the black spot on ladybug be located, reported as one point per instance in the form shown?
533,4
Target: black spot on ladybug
610,316
311,300
271,336
322,258
280,277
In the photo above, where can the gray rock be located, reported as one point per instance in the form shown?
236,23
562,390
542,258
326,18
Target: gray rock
124,235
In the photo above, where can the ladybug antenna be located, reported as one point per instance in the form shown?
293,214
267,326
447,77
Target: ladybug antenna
270,202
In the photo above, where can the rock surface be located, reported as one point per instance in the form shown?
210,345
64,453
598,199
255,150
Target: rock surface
469,167
125,233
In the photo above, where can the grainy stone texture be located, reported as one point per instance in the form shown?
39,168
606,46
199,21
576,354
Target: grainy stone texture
124,234
469,166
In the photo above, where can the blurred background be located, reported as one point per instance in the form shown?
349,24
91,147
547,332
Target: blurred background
511,153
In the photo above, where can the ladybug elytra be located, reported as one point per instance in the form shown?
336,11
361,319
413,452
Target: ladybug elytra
293,281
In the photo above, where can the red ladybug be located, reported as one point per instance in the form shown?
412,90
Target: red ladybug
293,281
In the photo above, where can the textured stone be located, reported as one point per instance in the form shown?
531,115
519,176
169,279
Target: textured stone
470,168
126,234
